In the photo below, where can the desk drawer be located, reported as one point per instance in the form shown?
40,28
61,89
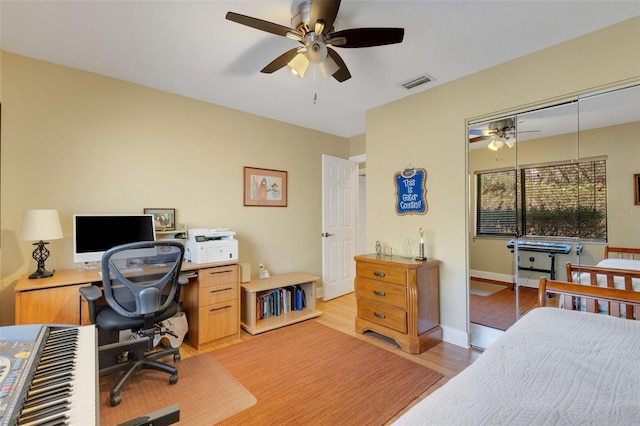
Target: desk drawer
219,320
389,294
387,316
218,293
382,273
217,276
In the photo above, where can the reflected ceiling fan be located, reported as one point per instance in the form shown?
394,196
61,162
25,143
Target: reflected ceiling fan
503,132
312,23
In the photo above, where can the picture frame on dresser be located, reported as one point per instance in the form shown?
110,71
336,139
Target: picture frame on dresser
265,187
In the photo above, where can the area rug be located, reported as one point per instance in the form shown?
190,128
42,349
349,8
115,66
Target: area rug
481,288
206,393
311,374
499,309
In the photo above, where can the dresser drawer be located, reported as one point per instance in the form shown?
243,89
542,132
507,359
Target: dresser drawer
218,293
218,276
387,316
382,273
389,294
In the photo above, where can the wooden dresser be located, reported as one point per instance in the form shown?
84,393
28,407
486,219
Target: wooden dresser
399,298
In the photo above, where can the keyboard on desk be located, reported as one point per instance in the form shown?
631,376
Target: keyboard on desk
48,375
541,246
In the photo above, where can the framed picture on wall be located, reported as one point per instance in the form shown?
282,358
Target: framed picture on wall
636,186
265,187
165,219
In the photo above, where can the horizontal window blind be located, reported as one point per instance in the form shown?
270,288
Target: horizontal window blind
560,200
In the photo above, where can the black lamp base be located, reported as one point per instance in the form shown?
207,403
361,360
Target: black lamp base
40,254
40,273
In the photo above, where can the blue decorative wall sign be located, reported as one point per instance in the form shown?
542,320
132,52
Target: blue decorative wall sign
411,191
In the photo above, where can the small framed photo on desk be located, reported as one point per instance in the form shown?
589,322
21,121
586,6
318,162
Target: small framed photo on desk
165,219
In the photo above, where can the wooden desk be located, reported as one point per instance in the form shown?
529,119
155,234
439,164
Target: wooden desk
56,300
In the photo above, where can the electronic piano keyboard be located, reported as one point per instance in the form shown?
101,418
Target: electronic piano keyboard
542,246
48,375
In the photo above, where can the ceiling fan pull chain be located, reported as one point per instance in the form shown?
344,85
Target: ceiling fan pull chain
315,91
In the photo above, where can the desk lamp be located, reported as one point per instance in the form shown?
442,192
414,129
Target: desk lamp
40,225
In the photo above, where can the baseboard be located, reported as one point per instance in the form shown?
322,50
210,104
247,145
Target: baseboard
524,280
492,276
455,337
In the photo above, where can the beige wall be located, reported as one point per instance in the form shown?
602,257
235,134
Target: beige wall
83,143
429,130
357,145
619,144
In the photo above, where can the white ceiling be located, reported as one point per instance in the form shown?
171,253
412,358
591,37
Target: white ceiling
189,48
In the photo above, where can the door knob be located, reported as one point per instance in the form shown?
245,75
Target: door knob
326,234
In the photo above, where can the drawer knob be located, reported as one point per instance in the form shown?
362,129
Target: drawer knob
379,274
379,315
220,272
379,293
222,289
219,309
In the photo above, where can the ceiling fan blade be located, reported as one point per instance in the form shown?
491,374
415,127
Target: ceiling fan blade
480,138
260,24
325,11
343,73
369,37
280,61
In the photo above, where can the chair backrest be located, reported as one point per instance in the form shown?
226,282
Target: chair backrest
140,279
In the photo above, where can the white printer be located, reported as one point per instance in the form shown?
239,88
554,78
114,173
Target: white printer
206,245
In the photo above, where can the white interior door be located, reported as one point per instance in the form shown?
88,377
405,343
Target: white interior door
339,225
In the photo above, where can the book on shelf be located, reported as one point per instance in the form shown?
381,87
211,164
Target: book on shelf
280,301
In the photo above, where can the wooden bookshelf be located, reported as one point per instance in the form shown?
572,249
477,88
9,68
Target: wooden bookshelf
249,298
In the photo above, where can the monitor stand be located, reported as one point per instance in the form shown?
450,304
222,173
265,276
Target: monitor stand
87,265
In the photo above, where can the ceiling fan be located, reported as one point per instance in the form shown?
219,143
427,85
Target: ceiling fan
503,132
312,23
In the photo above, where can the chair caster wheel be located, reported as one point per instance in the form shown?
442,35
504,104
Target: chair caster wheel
115,400
173,379
176,357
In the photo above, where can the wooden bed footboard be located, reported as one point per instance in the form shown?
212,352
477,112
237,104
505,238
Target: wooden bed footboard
615,297
621,252
610,276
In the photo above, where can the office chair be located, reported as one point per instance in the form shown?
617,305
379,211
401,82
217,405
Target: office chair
141,284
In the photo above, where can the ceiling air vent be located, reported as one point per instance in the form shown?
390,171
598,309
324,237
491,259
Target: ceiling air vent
417,81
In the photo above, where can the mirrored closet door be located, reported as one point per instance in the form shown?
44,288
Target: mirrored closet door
548,187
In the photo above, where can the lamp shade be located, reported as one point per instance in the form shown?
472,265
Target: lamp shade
40,225
299,64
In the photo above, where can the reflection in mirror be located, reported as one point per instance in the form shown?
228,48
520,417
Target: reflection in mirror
609,126
561,174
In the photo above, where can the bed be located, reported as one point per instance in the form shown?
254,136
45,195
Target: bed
619,269
553,366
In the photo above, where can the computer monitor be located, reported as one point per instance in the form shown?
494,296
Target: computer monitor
93,234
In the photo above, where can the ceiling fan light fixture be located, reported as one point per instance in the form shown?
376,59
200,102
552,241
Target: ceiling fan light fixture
495,145
328,67
510,143
317,52
294,36
299,64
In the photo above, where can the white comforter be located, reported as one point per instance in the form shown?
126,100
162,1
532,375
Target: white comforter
551,367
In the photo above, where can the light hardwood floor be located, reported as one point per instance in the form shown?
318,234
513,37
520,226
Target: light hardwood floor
445,358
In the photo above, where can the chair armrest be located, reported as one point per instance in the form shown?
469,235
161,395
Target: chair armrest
91,294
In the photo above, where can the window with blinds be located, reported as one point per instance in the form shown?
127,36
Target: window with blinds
559,200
